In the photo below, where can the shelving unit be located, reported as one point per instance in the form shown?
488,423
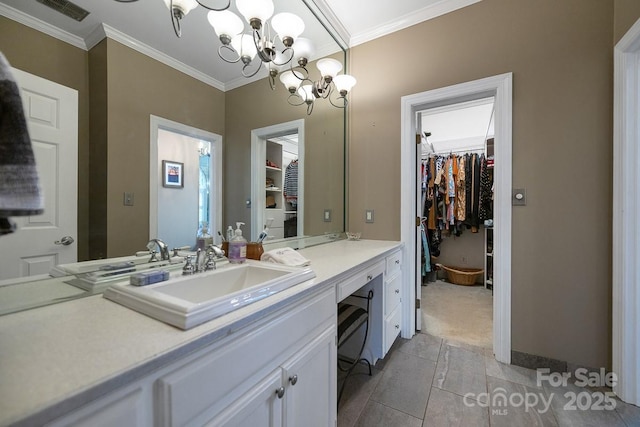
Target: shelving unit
278,211
488,232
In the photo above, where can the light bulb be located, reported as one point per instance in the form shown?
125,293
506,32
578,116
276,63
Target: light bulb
329,67
290,81
288,26
244,45
255,9
306,92
225,23
344,82
184,6
303,49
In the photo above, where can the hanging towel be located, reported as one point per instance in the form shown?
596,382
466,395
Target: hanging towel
19,188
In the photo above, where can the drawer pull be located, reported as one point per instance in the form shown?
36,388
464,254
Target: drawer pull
397,261
369,277
397,291
397,326
280,392
293,380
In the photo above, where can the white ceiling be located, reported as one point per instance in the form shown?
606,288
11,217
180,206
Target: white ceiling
145,25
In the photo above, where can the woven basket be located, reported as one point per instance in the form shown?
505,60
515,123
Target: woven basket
462,276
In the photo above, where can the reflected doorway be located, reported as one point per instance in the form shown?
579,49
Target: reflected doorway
176,212
277,177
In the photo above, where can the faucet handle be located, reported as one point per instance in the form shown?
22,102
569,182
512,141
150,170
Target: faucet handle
211,262
154,257
188,266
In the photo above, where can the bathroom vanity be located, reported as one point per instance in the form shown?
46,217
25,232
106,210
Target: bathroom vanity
94,362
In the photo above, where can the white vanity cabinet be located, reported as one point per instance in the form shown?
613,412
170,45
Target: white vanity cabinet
392,299
229,385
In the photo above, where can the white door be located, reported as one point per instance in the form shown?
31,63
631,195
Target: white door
419,213
51,111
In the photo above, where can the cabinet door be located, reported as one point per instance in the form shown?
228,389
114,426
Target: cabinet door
310,379
259,407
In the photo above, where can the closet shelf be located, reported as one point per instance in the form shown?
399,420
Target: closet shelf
277,190
271,168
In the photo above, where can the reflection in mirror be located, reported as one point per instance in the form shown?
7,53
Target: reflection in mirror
120,81
179,210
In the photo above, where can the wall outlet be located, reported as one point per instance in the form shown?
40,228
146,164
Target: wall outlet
327,215
128,199
368,216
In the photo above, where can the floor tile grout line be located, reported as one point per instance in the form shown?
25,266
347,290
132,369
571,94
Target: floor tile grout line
395,409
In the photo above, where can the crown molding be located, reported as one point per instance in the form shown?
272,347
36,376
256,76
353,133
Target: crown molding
151,52
37,24
432,11
328,18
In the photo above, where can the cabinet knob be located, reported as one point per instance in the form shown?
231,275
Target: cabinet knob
397,261
280,392
397,291
293,380
397,326
369,277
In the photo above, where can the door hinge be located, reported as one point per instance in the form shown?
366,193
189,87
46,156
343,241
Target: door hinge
417,221
418,139
417,303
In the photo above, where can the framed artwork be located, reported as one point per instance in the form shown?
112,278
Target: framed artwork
172,174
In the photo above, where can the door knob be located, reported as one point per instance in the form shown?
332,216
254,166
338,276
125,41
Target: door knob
65,241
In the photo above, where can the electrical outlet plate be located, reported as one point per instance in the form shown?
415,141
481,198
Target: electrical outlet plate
327,215
368,216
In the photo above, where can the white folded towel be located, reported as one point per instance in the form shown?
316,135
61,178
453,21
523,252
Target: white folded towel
285,256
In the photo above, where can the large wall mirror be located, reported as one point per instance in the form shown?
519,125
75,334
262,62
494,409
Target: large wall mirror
125,74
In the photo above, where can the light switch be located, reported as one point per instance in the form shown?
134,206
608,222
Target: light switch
128,199
327,215
519,197
368,216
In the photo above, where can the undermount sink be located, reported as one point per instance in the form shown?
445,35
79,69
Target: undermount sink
187,301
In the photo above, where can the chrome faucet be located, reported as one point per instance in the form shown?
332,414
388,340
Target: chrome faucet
204,261
162,246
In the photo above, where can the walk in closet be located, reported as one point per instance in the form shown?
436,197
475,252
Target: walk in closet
456,227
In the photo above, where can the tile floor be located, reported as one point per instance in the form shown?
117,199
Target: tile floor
423,382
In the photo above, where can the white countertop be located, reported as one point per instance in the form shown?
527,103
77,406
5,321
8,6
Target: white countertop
55,358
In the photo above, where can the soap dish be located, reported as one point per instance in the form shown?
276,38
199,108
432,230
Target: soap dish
353,235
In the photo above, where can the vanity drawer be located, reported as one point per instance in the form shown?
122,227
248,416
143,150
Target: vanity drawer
276,214
391,328
394,263
392,294
352,284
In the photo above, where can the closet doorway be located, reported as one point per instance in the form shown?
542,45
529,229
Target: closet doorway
501,88
456,204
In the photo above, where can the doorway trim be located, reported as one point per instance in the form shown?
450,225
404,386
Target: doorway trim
625,252
500,87
258,175
154,171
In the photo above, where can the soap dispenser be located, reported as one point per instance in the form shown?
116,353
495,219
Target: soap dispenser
238,246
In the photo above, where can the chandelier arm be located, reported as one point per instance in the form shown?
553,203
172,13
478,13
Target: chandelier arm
221,48
214,8
252,74
300,76
272,82
310,108
344,102
295,96
288,60
175,21
326,91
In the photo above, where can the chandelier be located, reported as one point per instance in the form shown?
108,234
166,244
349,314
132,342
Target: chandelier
272,40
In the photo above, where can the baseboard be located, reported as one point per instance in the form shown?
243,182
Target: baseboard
533,361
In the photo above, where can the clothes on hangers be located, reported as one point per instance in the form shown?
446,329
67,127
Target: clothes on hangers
290,189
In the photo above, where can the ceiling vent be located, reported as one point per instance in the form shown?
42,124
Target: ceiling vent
67,8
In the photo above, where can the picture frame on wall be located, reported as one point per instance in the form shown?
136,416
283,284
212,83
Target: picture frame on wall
172,174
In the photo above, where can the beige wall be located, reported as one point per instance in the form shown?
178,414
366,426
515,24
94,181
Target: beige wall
560,54
36,53
137,87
